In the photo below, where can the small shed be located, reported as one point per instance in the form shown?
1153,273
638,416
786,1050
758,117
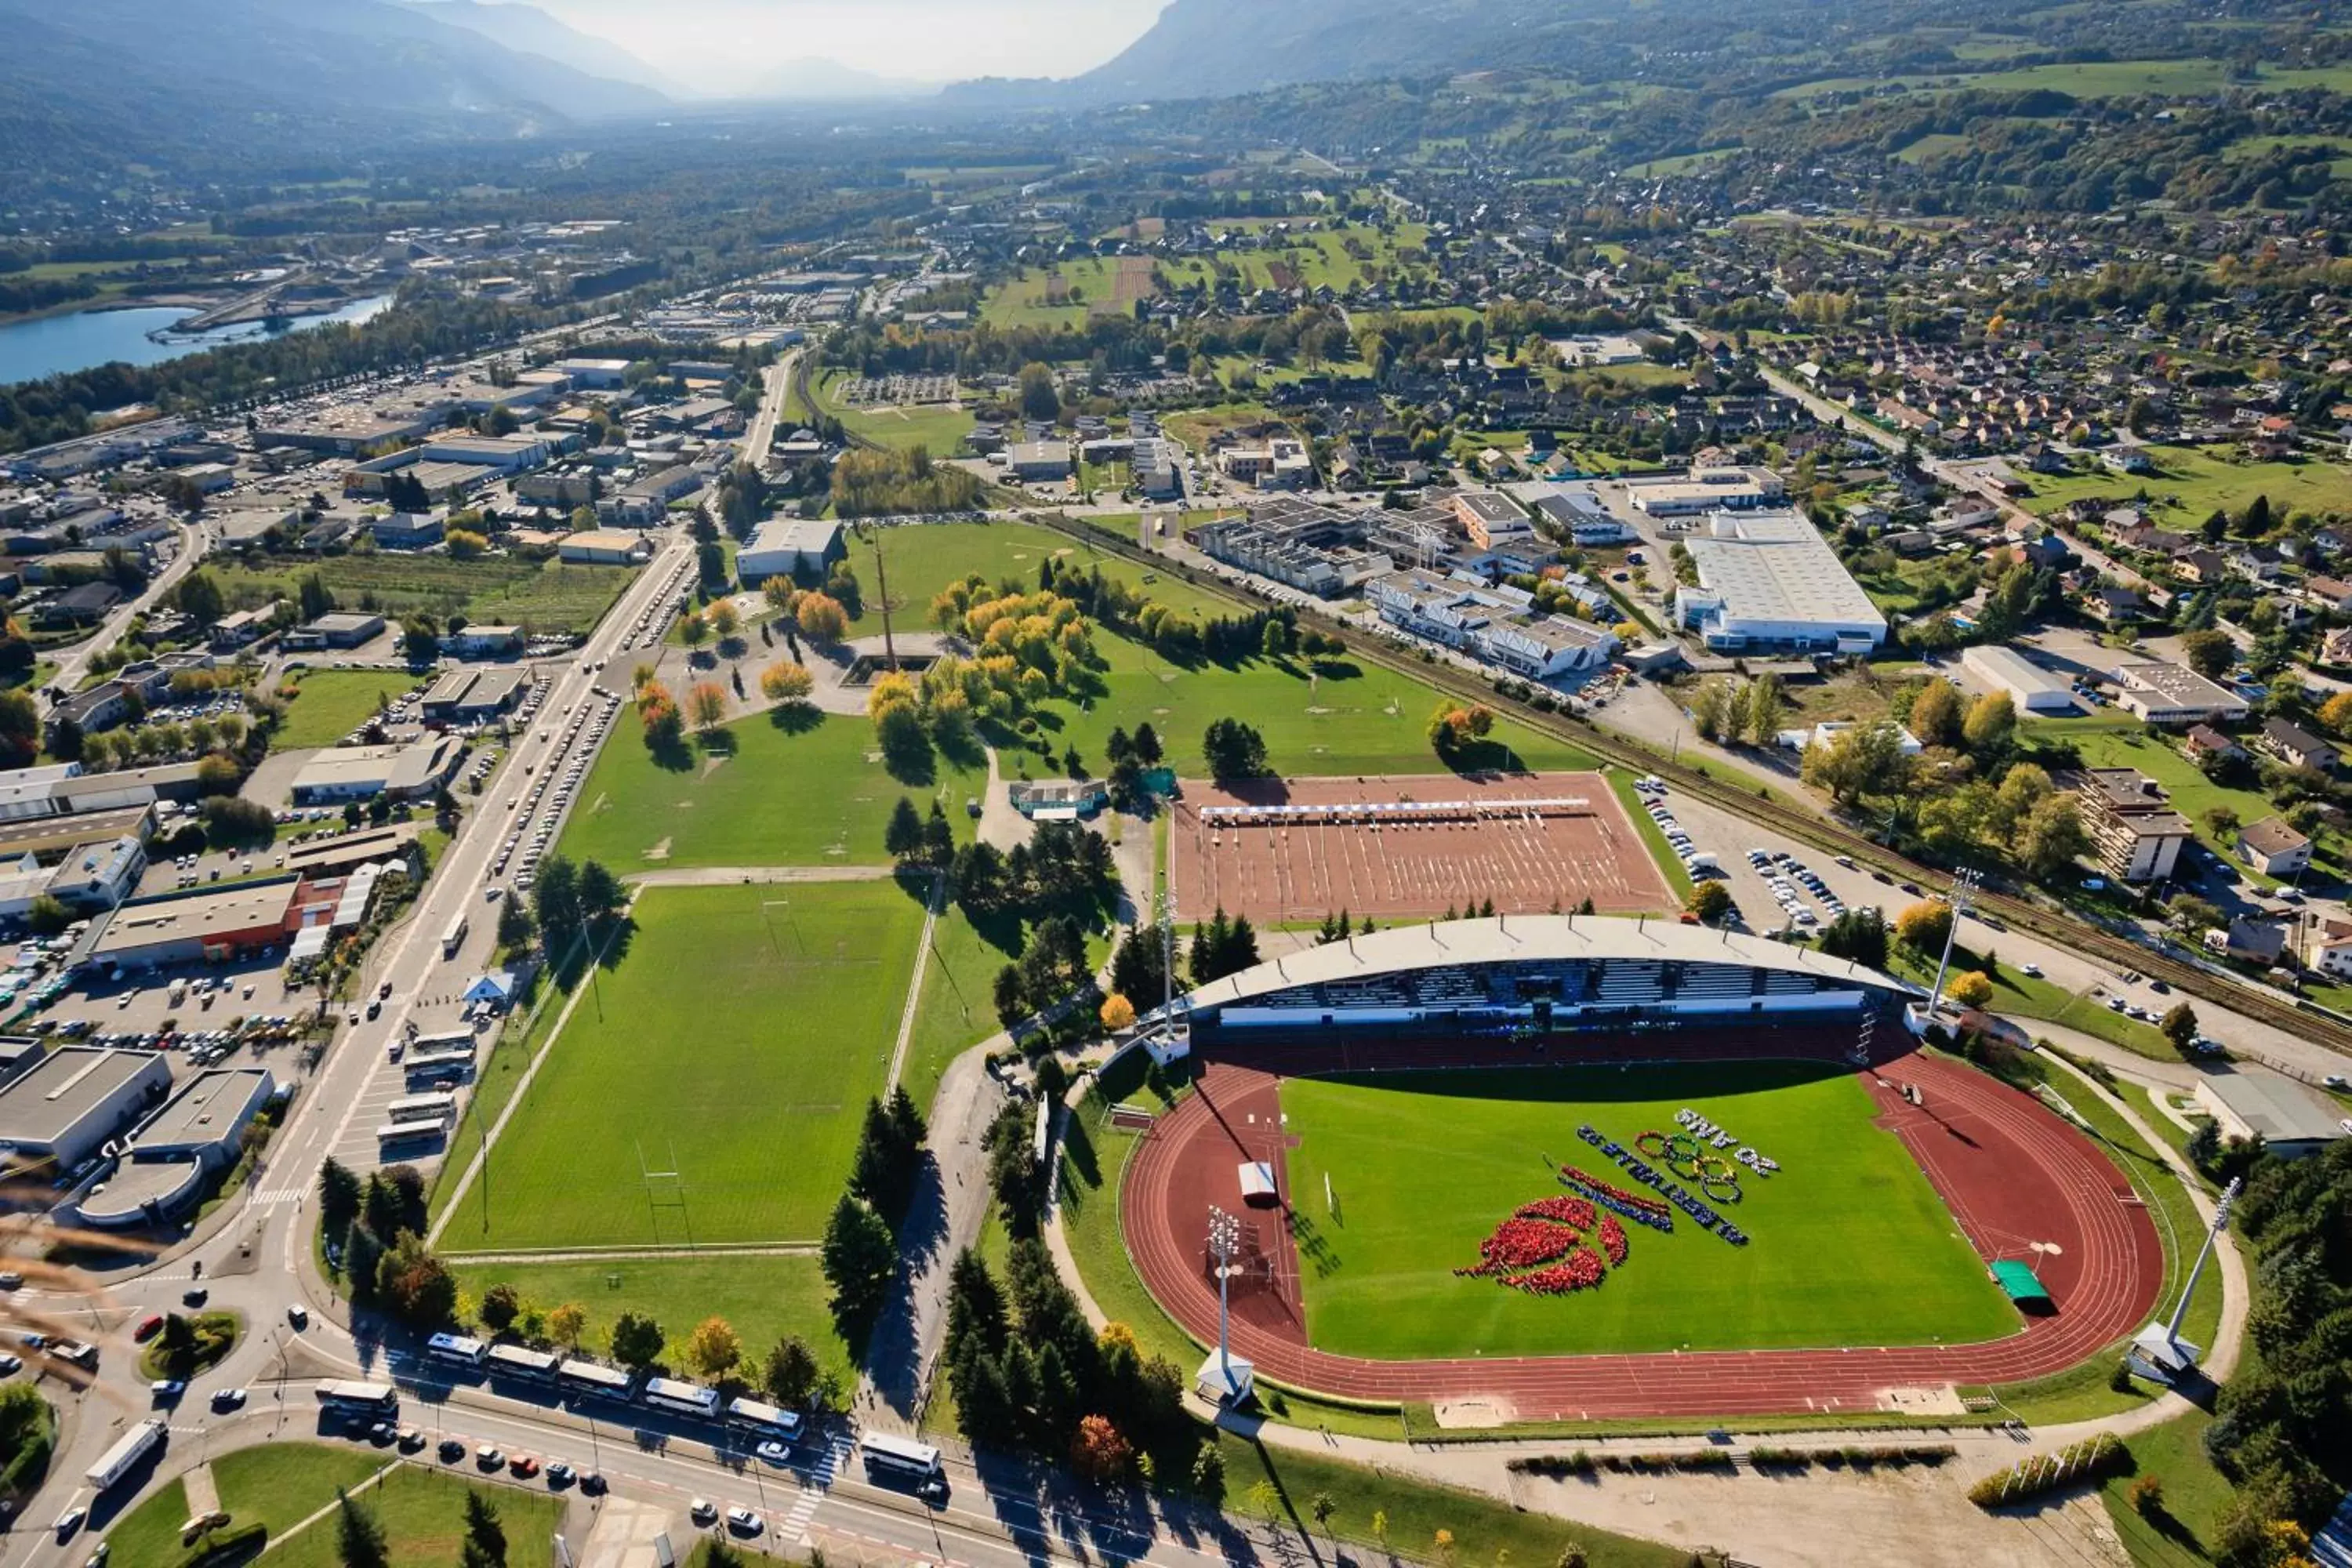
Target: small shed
2022,1284
1257,1184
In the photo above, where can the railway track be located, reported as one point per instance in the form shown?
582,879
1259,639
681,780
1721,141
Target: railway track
1822,832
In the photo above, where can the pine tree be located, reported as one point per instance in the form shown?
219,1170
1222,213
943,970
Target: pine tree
904,836
360,1541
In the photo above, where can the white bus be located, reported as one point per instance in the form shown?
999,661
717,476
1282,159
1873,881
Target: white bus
125,1456
426,1068
530,1366
438,1041
767,1420
680,1398
890,1459
440,1106
455,1349
592,1380
371,1401
394,1134
453,938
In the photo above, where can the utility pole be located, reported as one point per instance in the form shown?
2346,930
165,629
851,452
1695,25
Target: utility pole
882,592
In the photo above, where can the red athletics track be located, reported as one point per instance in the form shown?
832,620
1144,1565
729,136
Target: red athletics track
2010,1171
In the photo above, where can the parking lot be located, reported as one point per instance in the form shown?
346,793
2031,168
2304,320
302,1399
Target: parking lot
658,610
539,813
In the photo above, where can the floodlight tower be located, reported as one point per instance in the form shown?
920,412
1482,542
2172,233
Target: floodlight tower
1221,1376
2160,1352
1964,889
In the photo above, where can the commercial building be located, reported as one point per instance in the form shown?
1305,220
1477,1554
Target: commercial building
47,836
2032,688
1314,548
2134,833
412,771
1492,519
1706,491
1281,464
1038,462
502,454
241,628
1496,625
408,529
1580,515
600,375
2250,1101
76,1098
473,696
89,877
196,1133
213,925
339,629
605,547
2175,694
789,547
1768,582
62,790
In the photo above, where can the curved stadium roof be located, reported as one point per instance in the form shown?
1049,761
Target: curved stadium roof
1515,939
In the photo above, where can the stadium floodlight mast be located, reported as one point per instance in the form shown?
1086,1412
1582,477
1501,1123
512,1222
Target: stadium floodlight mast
1964,889
2160,1352
1228,1379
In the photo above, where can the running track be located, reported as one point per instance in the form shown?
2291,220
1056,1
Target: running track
2010,1171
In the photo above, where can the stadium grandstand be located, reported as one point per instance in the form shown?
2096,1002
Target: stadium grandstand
1542,975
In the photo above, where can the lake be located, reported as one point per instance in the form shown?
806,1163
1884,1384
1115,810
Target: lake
53,345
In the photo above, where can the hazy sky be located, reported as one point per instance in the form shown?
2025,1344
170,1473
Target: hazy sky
724,44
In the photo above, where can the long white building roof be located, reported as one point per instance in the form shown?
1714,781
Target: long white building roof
1775,566
1508,939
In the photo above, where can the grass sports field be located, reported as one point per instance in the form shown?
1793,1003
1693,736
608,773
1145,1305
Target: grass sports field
819,796
735,1041
1850,1245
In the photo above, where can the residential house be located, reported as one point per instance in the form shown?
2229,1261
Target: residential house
2273,848
2295,746
2203,741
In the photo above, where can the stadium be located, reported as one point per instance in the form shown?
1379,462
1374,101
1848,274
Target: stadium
1574,1167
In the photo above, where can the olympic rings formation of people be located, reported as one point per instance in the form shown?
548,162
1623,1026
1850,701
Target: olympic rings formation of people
1682,1155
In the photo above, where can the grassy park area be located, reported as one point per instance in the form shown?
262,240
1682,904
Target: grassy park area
329,704
1379,1273
279,1485
750,1093
539,596
936,425
2188,485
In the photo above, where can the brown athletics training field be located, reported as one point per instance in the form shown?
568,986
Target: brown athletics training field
1467,842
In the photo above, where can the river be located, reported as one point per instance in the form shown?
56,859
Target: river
53,345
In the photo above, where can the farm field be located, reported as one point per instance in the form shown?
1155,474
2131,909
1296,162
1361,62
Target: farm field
547,596
752,1095
1337,258
1379,1277
818,796
763,1298
329,704
279,1485
2187,486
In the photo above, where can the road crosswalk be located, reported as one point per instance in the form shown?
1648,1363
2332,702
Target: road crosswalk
795,1526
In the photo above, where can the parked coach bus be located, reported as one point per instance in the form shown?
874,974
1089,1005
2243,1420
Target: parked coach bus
766,1420
529,1366
892,1460
592,1380
456,1349
679,1398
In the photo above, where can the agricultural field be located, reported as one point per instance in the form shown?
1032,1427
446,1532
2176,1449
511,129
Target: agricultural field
279,1485
1379,1277
1337,258
329,704
756,1117
760,793
548,596
2187,486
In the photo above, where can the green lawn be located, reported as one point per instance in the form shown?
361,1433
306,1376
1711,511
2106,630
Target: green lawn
764,1298
935,425
329,704
2188,485
735,1043
820,797
2026,997
493,590
956,1011
2177,1535
279,1485
1379,1277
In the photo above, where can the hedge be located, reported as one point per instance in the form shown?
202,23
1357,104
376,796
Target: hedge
2093,1458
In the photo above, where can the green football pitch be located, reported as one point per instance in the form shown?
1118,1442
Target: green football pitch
1850,1246
733,1043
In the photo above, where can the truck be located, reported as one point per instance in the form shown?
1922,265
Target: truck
453,938
128,1451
